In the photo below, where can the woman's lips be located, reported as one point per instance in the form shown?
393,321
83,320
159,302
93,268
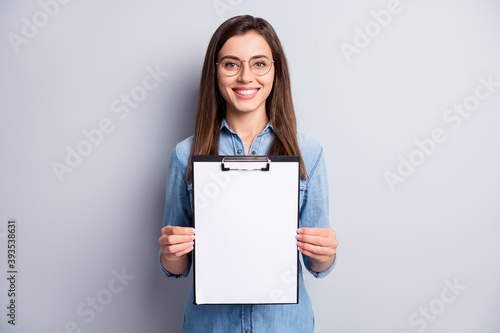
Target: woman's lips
246,93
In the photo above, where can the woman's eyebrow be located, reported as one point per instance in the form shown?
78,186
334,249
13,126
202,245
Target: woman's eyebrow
229,57
260,56
236,58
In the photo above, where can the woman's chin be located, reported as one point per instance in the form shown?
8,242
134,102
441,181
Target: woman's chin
245,108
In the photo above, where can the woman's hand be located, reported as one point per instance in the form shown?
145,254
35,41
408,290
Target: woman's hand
319,244
175,244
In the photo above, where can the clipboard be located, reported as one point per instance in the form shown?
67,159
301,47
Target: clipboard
246,213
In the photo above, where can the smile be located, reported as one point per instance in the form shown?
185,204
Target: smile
246,93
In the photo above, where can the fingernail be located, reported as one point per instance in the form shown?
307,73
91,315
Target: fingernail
299,237
300,230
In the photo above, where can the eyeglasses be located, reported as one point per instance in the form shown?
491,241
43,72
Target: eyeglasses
259,65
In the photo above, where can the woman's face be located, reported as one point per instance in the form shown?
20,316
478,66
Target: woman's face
245,91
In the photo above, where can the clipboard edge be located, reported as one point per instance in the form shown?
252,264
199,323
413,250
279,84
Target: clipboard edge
219,158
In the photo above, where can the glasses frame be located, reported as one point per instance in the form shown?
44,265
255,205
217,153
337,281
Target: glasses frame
251,69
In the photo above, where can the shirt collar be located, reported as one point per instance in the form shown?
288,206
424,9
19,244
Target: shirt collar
225,124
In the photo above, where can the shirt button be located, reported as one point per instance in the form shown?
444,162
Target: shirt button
254,152
248,332
239,151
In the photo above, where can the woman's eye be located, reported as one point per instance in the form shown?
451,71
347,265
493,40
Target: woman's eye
230,65
259,64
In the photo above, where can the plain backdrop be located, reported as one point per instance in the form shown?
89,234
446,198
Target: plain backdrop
371,80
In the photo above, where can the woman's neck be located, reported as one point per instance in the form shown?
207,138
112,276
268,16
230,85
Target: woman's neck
247,125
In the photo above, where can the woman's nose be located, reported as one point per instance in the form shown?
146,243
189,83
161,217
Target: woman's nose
245,74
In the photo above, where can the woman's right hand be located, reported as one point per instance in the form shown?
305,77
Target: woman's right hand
176,242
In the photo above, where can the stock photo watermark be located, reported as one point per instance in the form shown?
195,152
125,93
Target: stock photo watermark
12,271
212,189
94,137
454,117
289,285
219,181
421,319
379,21
88,309
30,28
223,6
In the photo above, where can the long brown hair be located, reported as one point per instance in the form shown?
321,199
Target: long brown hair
212,106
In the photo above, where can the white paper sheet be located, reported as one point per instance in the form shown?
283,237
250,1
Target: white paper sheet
246,222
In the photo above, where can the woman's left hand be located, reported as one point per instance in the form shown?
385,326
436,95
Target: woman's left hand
319,244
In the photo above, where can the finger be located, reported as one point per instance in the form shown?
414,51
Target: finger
315,240
186,251
320,258
175,239
316,231
175,230
178,255
317,250
178,249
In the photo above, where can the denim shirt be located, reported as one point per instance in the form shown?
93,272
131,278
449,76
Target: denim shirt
313,212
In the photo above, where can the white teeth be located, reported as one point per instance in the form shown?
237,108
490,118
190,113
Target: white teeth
246,92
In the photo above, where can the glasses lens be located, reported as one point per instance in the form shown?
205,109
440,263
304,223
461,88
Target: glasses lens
260,65
230,66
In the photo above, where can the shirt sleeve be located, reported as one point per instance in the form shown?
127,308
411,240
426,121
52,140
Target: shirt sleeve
315,211
178,210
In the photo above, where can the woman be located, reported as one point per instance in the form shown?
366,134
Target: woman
245,108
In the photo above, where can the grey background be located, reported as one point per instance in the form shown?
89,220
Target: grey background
397,248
